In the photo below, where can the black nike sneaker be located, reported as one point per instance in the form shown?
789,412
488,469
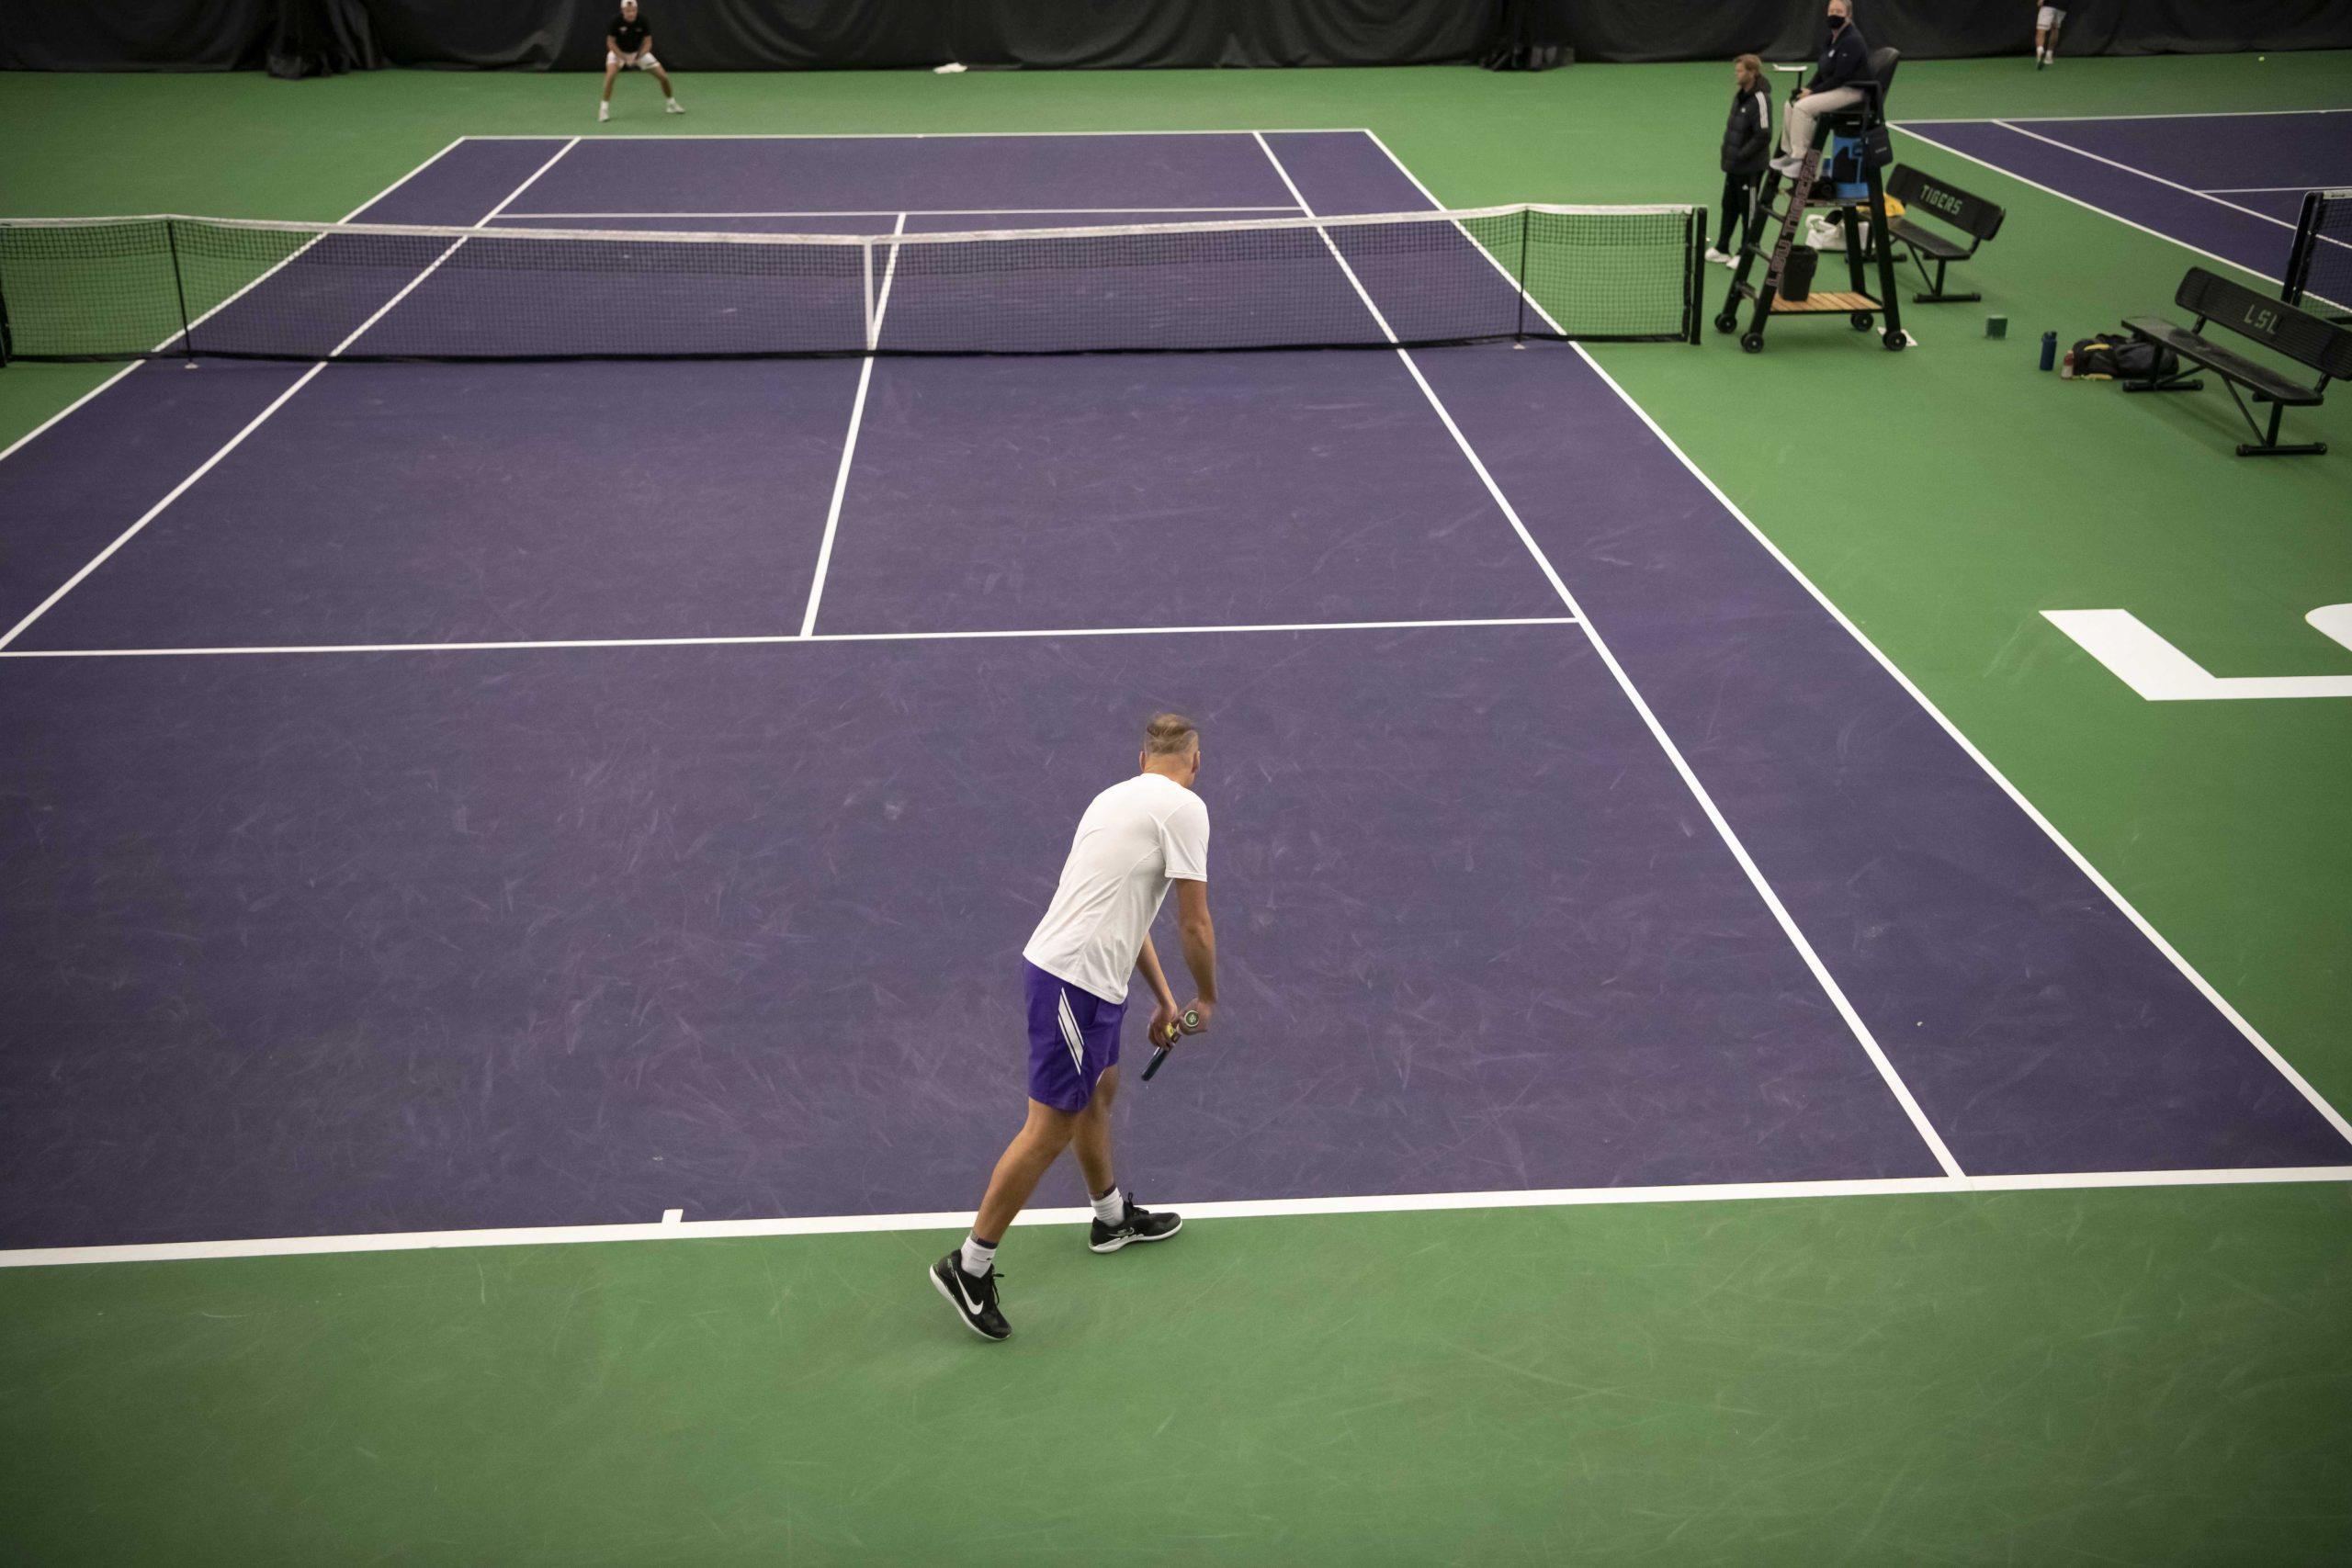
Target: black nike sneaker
972,1296
1138,1224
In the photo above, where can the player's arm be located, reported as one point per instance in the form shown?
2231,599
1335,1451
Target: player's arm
1198,934
613,47
647,47
1163,1019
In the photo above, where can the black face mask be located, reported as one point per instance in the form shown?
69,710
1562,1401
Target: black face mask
1836,23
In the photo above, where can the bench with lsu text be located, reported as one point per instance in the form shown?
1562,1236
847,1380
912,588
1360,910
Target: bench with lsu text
2294,334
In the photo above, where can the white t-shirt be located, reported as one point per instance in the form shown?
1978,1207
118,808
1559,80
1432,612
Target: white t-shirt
1136,837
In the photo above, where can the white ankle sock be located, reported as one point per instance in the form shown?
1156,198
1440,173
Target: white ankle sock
1112,1207
979,1257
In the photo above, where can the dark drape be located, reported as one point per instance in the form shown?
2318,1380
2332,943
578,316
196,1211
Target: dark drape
1929,29
321,38
306,36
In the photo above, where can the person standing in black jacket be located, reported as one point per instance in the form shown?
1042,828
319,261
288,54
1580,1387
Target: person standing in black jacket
1747,142
1836,84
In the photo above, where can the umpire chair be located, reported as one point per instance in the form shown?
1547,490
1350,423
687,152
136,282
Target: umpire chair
1840,173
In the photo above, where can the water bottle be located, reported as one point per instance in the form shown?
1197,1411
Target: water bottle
2049,350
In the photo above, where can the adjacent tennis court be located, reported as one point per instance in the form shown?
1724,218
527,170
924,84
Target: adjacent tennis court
566,792
2228,186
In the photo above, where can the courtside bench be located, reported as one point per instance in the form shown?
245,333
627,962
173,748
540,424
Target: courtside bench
2294,334
1974,218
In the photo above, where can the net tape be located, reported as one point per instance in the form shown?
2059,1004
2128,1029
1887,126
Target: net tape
166,285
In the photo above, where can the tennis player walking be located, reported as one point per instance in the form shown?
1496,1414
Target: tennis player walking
1135,839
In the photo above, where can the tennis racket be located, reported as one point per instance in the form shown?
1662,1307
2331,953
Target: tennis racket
1188,1024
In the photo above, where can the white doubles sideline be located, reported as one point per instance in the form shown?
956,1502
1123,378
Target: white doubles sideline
1764,890
262,418
669,1228
2033,813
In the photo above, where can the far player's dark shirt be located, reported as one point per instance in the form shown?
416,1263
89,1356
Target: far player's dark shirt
629,35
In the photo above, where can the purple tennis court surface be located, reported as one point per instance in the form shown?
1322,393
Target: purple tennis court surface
319,925
2227,185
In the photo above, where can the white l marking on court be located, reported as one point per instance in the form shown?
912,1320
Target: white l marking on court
2142,658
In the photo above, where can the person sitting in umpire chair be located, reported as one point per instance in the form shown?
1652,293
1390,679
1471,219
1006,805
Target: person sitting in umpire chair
1835,85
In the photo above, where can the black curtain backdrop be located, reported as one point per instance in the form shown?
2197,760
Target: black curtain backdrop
297,38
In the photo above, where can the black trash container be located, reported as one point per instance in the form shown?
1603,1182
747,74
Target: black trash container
1796,278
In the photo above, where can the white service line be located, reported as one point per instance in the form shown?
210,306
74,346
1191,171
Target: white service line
2033,813
1905,127
682,1229
1860,1030
10,450
275,403
849,444
2264,190
783,638
906,135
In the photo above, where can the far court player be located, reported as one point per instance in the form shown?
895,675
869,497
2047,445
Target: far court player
628,46
1135,840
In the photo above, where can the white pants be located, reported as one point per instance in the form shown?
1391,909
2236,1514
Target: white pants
2048,18
1812,107
642,62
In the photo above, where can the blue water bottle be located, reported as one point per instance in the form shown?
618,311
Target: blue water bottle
2049,350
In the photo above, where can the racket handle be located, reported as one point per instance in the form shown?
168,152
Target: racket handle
1152,1066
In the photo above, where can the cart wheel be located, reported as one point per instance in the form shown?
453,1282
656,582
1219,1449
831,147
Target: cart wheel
1892,338
1861,321
1752,341
1727,322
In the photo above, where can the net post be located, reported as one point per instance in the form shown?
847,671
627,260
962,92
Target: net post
1525,218
6,341
865,265
2299,258
179,288
1692,235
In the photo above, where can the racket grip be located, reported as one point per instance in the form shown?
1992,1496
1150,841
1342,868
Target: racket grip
1158,1056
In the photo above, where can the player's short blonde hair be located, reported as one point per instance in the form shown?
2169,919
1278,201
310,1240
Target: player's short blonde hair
1170,735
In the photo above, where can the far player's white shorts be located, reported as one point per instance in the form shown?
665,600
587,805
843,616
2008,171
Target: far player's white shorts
642,62
2051,16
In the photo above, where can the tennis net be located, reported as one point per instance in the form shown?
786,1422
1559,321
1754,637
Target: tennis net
2319,269
133,288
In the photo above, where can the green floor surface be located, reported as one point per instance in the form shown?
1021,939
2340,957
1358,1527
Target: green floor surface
2042,1378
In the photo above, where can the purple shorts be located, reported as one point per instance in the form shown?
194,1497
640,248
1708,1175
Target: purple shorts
1073,1037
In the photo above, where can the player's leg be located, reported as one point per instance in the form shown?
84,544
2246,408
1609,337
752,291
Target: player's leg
1018,1170
612,73
967,1276
668,94
1118,1218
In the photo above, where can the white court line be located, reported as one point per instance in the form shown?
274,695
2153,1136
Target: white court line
2093,119
2259,190
2033,813
910,211
856,420
1905,126
920,135
783,638
667,1229
2153,179
258,420
1860,1030
10,450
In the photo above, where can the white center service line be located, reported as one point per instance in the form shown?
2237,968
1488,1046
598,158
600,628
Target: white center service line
849,445
1860,1030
